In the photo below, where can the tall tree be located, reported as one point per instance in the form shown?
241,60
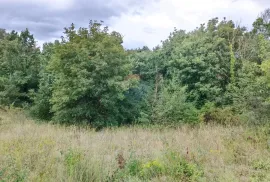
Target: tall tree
262,24
19,67
90,70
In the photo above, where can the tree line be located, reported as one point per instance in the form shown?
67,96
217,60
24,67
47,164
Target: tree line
219,72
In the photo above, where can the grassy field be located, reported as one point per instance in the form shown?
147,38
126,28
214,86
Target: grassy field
42,152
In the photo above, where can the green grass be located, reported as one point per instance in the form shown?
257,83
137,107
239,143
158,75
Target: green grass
42,152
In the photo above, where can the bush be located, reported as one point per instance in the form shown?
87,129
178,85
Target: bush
171,166
223,116
152,169
180,169
261,171
173,108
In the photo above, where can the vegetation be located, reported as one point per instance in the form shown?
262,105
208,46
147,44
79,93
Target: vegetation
213,81
89,78
44,152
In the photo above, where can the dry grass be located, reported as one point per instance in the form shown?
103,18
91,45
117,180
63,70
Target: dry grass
44,152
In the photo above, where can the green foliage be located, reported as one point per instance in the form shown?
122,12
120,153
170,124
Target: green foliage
152,169
264,165
41,107
11,173
89,78
172,106
262,24
261,171
134,167
72,159
218,73
202,63
136,104
180,169
232,66
19,68
90,72
250,93
264,47
3,33
170,167
223,116
266,69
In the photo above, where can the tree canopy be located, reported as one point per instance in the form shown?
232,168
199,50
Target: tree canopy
218,70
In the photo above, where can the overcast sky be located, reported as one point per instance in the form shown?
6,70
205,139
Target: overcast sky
141,22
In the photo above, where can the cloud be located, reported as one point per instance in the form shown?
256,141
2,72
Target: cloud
142,22
47,18
158,19
264,3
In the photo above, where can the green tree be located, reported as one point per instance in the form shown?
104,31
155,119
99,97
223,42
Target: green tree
172,106
232,65
203,64
3,33
262,24
41,107
19,67
90,70
250,93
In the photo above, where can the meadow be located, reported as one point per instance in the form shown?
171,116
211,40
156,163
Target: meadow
32,151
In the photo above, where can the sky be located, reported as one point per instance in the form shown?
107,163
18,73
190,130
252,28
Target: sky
141,22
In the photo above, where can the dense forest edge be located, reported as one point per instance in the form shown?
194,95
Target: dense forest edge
217,73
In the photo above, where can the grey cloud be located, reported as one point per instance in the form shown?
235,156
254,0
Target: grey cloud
48,23
136,12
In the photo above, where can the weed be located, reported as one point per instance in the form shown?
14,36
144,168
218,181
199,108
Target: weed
72,159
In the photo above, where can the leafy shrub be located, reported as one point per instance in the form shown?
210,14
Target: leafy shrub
180,169
134,167
172,107
261,173
224,116
261,165
170,166
41,108
248,96
11,173
152,169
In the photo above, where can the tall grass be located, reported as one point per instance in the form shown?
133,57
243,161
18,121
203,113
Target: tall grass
42,152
